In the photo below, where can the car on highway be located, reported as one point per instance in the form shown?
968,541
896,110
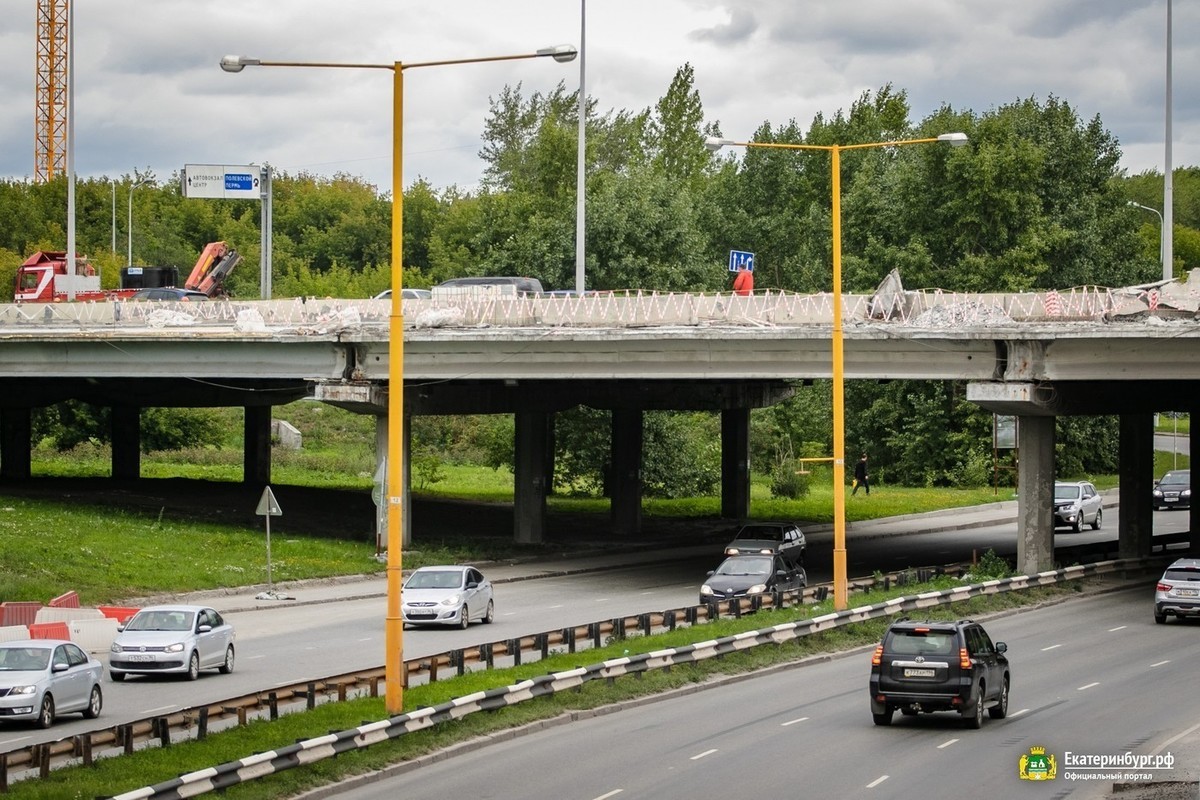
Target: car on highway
1173,490
745,575
448,595
488,286
784,538
172,640
405,294
1077,503
923,667
169,293
1178,590
42,678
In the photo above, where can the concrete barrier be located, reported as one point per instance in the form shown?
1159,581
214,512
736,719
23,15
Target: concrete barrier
67,614
14,633
93,635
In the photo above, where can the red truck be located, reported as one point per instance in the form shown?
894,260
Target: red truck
46,277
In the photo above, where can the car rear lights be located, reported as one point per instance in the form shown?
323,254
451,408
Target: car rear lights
877,658
964,658
1163,587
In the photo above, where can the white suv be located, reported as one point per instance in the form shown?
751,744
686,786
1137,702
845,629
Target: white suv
1178,591
1077,504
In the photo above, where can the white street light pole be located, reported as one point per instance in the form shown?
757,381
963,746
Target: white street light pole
1162,237
580,159
1168,251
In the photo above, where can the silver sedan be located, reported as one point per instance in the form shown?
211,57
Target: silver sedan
447,596
42,678
173,640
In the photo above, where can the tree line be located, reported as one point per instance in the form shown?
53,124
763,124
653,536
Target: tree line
1035,200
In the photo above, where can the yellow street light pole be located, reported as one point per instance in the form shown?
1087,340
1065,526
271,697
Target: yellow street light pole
840,580
394,623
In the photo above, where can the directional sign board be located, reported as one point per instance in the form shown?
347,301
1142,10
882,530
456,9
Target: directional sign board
739,259
217,182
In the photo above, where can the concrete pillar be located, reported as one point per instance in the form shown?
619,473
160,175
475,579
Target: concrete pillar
529,478
626,484
126,436
256,445
1193,508
381,450
735,463
1136,452
16,435
1035,494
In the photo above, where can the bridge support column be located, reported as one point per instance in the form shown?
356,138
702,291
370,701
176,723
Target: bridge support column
381,450
735,463
1136,449
126,436
626,484
1035,494
256,445
1193,508
529,479
16,435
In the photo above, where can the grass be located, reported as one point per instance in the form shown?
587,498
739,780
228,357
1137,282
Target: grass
154,765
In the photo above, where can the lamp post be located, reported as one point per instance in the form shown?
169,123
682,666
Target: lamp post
1162,237
394,625
129,222
840,580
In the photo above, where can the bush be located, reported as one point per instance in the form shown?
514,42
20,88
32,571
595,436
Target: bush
788,482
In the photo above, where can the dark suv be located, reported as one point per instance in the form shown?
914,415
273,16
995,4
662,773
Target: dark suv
939,666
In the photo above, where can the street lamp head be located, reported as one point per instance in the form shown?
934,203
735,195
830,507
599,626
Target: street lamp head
238,63
562,53
714,143
953,139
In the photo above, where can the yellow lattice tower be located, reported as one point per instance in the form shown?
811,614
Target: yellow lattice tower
50,122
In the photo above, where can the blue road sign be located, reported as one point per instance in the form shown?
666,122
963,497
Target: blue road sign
739,259
239,181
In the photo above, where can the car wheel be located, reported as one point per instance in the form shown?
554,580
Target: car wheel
227,667
193,666
1077,526
1160,618
95,703
1099,520
116,677
490,616
975,720
1000,710
885,718
464,618
46,715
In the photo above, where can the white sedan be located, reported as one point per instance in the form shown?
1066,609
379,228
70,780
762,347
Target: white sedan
42,678
173,640
447,596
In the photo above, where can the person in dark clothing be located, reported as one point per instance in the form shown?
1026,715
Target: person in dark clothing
861,478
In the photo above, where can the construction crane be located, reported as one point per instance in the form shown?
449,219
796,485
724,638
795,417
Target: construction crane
50,113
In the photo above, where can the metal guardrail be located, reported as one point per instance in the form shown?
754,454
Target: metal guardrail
311,751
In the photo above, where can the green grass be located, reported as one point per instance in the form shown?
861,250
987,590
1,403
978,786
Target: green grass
112,775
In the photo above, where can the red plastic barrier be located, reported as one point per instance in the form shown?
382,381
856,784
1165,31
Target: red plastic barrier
120,613
19,612
49,630
68,600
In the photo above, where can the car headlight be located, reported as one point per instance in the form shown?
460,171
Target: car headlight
1186,493
116,648
30,689
174,648
731,551
706,589
758,588
452,600
1158,493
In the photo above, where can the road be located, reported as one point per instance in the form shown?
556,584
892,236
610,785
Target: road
808,731
286,644
1169,443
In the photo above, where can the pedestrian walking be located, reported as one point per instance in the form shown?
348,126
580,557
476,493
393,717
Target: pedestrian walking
743,282
861,478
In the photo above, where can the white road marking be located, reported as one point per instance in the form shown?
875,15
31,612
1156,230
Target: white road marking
558,606
156,710
1160,663
607,795
947,743
702,755
510,613
251,658
1088,686
793,722
14,741
1118,628
1051,647
367,639
1018,713
643,594
877,781
601,599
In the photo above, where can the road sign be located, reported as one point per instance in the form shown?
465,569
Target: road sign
739,259
268,506
217,182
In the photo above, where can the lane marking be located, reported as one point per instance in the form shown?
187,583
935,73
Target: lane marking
156,710
643,594
1051,647
946,744
558,606
877,781
1160,663
1088,686
366,639
250,658
702,755
601,599
1018,713
14,741
1118,628
607,795
793,722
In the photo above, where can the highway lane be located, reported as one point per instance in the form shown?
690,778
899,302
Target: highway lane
289,644
1092,676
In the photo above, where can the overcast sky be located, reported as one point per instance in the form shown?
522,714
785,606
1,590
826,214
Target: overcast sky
149,94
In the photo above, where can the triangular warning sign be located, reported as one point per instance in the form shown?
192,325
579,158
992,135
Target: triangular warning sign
268,505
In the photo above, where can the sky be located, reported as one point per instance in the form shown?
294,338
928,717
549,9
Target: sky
150,96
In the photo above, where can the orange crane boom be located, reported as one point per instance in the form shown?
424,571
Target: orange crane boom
50,103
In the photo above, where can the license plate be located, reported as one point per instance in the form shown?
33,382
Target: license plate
918,673
139,657
1186,592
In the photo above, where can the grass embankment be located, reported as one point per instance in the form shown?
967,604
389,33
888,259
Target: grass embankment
146,767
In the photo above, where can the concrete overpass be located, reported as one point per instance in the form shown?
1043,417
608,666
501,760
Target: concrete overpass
1129,352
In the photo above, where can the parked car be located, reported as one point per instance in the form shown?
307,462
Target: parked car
923,667
178,640
745,575
784,538
1178,591
1174,490
42,678
1077,504
447,596
405,294
488,286
169,293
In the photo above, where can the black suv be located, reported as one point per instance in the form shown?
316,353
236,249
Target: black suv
939,666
